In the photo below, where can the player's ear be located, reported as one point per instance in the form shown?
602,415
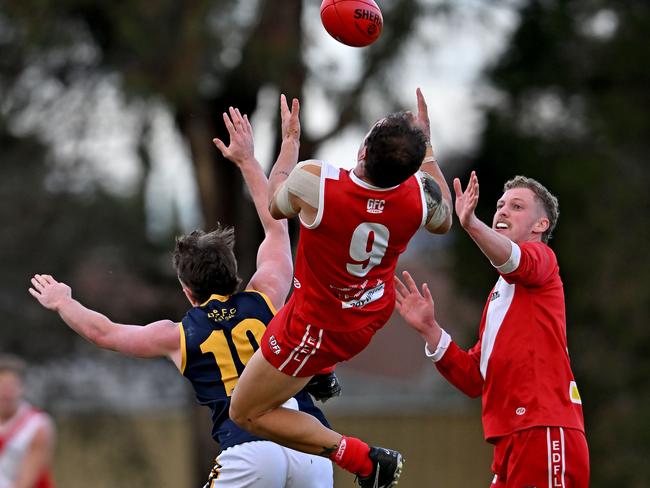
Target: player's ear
541,225
361,155
190,296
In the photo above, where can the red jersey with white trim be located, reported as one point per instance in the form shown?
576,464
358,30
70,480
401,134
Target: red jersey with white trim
520,364
16,437
346,259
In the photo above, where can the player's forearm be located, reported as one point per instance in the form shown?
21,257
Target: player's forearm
496,247
91,325
462,370
431,335
286,161
430,165
258,187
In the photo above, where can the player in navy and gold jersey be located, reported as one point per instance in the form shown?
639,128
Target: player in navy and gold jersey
219,334
217,340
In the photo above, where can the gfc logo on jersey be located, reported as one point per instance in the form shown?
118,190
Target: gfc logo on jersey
375,206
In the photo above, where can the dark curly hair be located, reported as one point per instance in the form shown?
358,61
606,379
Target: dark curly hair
394,151
205,262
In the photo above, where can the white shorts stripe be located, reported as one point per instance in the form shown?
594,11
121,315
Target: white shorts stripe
296,349
563,454
556,458
548,449
313,351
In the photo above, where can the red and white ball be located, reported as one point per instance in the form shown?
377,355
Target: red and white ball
356,23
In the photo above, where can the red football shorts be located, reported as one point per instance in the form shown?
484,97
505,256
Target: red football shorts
541,457
297,348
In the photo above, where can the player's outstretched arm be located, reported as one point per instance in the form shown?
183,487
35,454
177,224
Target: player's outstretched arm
439,203
460,368
497,248
417,309
274,263
282,204
241,151
157,339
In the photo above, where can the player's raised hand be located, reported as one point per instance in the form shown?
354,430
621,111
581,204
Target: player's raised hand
290,119
49,292
241,148
467,200
422,118
415,307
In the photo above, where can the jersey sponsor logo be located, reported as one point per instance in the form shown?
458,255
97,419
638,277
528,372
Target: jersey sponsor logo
369,296
375,206
520,411
221,314
275,347
353,291
574,394
296,283
495,294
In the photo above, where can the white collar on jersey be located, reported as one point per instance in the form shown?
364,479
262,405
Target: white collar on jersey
365,184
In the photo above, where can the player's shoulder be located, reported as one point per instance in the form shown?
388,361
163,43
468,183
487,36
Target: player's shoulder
538,248
312,166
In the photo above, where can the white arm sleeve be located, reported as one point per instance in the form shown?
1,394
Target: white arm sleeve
513,261
300,183
305,184
443,344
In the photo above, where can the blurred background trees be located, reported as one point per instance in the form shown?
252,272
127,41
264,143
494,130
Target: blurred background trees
93,93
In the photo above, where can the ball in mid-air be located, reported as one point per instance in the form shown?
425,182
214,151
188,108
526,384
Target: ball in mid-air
356,23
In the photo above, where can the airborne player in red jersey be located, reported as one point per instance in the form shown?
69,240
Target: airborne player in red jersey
354,226
532,411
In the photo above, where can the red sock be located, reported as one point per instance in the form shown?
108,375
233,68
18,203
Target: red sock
352,455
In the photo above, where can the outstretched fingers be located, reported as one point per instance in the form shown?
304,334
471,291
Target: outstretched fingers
423,109
458,189
410,282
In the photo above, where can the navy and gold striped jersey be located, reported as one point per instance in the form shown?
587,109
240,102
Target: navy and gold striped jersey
217,340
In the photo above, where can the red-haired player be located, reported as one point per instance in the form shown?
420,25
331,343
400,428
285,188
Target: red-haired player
532,411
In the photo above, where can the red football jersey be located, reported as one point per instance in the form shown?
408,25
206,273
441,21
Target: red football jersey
520,364
346,258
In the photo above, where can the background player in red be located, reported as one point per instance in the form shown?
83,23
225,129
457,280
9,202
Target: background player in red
532,411
354,226
218,335
26,434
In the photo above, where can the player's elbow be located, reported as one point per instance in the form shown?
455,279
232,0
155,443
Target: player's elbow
103,340
242,418
275,211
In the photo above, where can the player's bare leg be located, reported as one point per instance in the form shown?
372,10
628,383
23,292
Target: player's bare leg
256,407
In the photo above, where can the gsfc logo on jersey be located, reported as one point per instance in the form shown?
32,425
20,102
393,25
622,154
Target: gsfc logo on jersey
275,347
375,206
